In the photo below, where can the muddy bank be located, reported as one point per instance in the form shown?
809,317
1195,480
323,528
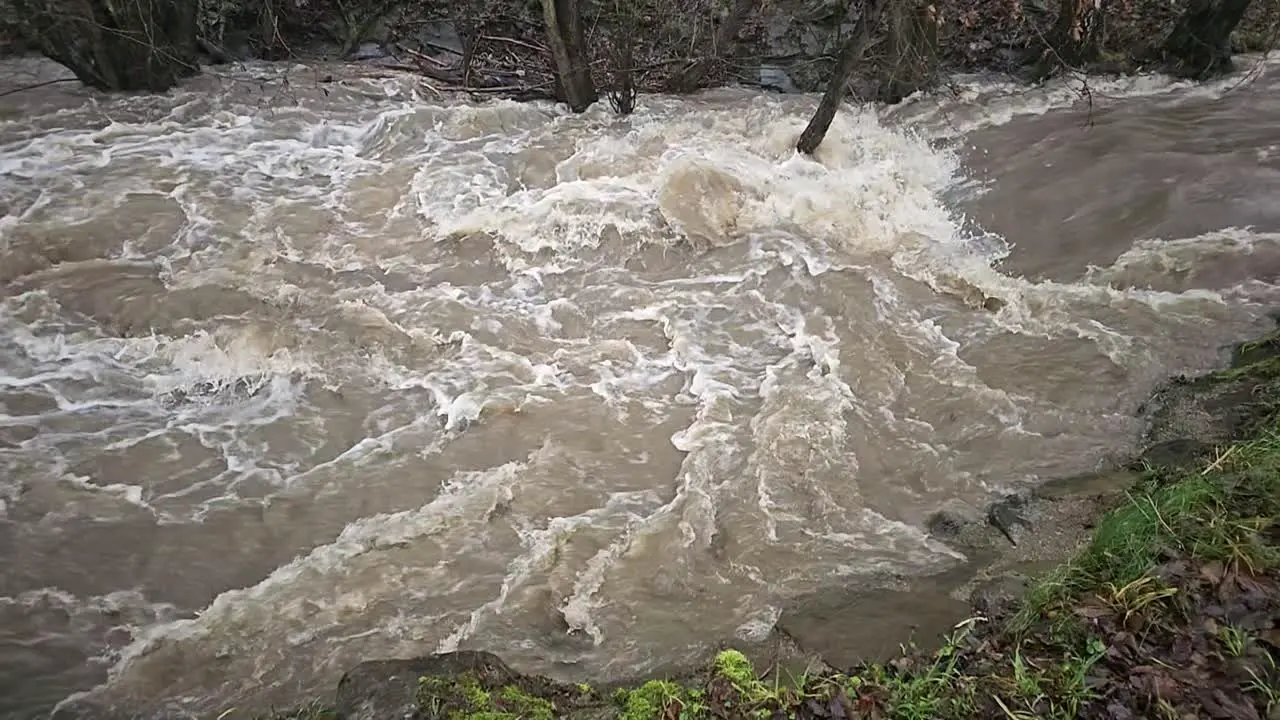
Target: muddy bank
1151,590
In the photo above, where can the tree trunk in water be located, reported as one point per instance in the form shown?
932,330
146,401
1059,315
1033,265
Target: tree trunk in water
468,28
1200,44
569,52
622,90
692,75
138,45
850,54
912,51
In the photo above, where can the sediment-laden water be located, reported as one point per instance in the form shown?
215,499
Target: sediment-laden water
298,373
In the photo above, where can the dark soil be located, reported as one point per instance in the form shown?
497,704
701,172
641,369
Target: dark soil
1198,652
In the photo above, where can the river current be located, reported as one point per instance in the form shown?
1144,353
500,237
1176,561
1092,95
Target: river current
305,365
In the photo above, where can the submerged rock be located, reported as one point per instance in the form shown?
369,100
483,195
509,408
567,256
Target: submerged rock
1009,518
953,521
999,595
965,526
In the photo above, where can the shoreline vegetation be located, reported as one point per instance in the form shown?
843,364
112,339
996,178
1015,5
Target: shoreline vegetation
581,52
1170,610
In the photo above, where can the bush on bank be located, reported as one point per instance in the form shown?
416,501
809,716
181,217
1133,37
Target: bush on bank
658,44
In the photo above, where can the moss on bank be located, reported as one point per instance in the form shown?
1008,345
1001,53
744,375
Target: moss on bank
466,697
1172,610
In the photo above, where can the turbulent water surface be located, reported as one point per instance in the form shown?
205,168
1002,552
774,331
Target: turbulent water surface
296,373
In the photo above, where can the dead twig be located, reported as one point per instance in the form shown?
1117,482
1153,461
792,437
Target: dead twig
514,41
24,88
509,88
416,54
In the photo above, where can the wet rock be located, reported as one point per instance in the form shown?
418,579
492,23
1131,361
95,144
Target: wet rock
777,78
369,51
1008,517
798,32
781,651
954,521
440,38
998,596
1002,524
388,689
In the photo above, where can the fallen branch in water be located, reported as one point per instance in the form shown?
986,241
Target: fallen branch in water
488,83
544,87
421,56
24,88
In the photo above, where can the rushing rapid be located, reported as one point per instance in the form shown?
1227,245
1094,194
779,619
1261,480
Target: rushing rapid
297,373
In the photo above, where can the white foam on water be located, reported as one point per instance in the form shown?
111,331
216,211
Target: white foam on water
971,102
666,372
801,427
1159,259
37,619
231,623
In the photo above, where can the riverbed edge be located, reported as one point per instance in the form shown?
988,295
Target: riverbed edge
1182,564
787,47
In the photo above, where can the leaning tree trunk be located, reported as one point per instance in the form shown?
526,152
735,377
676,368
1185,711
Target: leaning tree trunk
1200,44
569,52
691,76
850,54
912,50
134,45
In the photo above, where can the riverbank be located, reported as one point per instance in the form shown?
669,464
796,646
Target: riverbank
1171,608
788,46
497,49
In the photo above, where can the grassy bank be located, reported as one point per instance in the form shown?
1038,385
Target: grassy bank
1170,611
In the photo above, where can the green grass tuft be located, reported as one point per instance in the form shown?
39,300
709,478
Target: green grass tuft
660,699
1217,513
465,698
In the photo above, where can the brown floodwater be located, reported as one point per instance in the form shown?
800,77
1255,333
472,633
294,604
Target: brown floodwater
295,374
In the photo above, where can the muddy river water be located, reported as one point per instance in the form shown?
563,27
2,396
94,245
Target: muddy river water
298,373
